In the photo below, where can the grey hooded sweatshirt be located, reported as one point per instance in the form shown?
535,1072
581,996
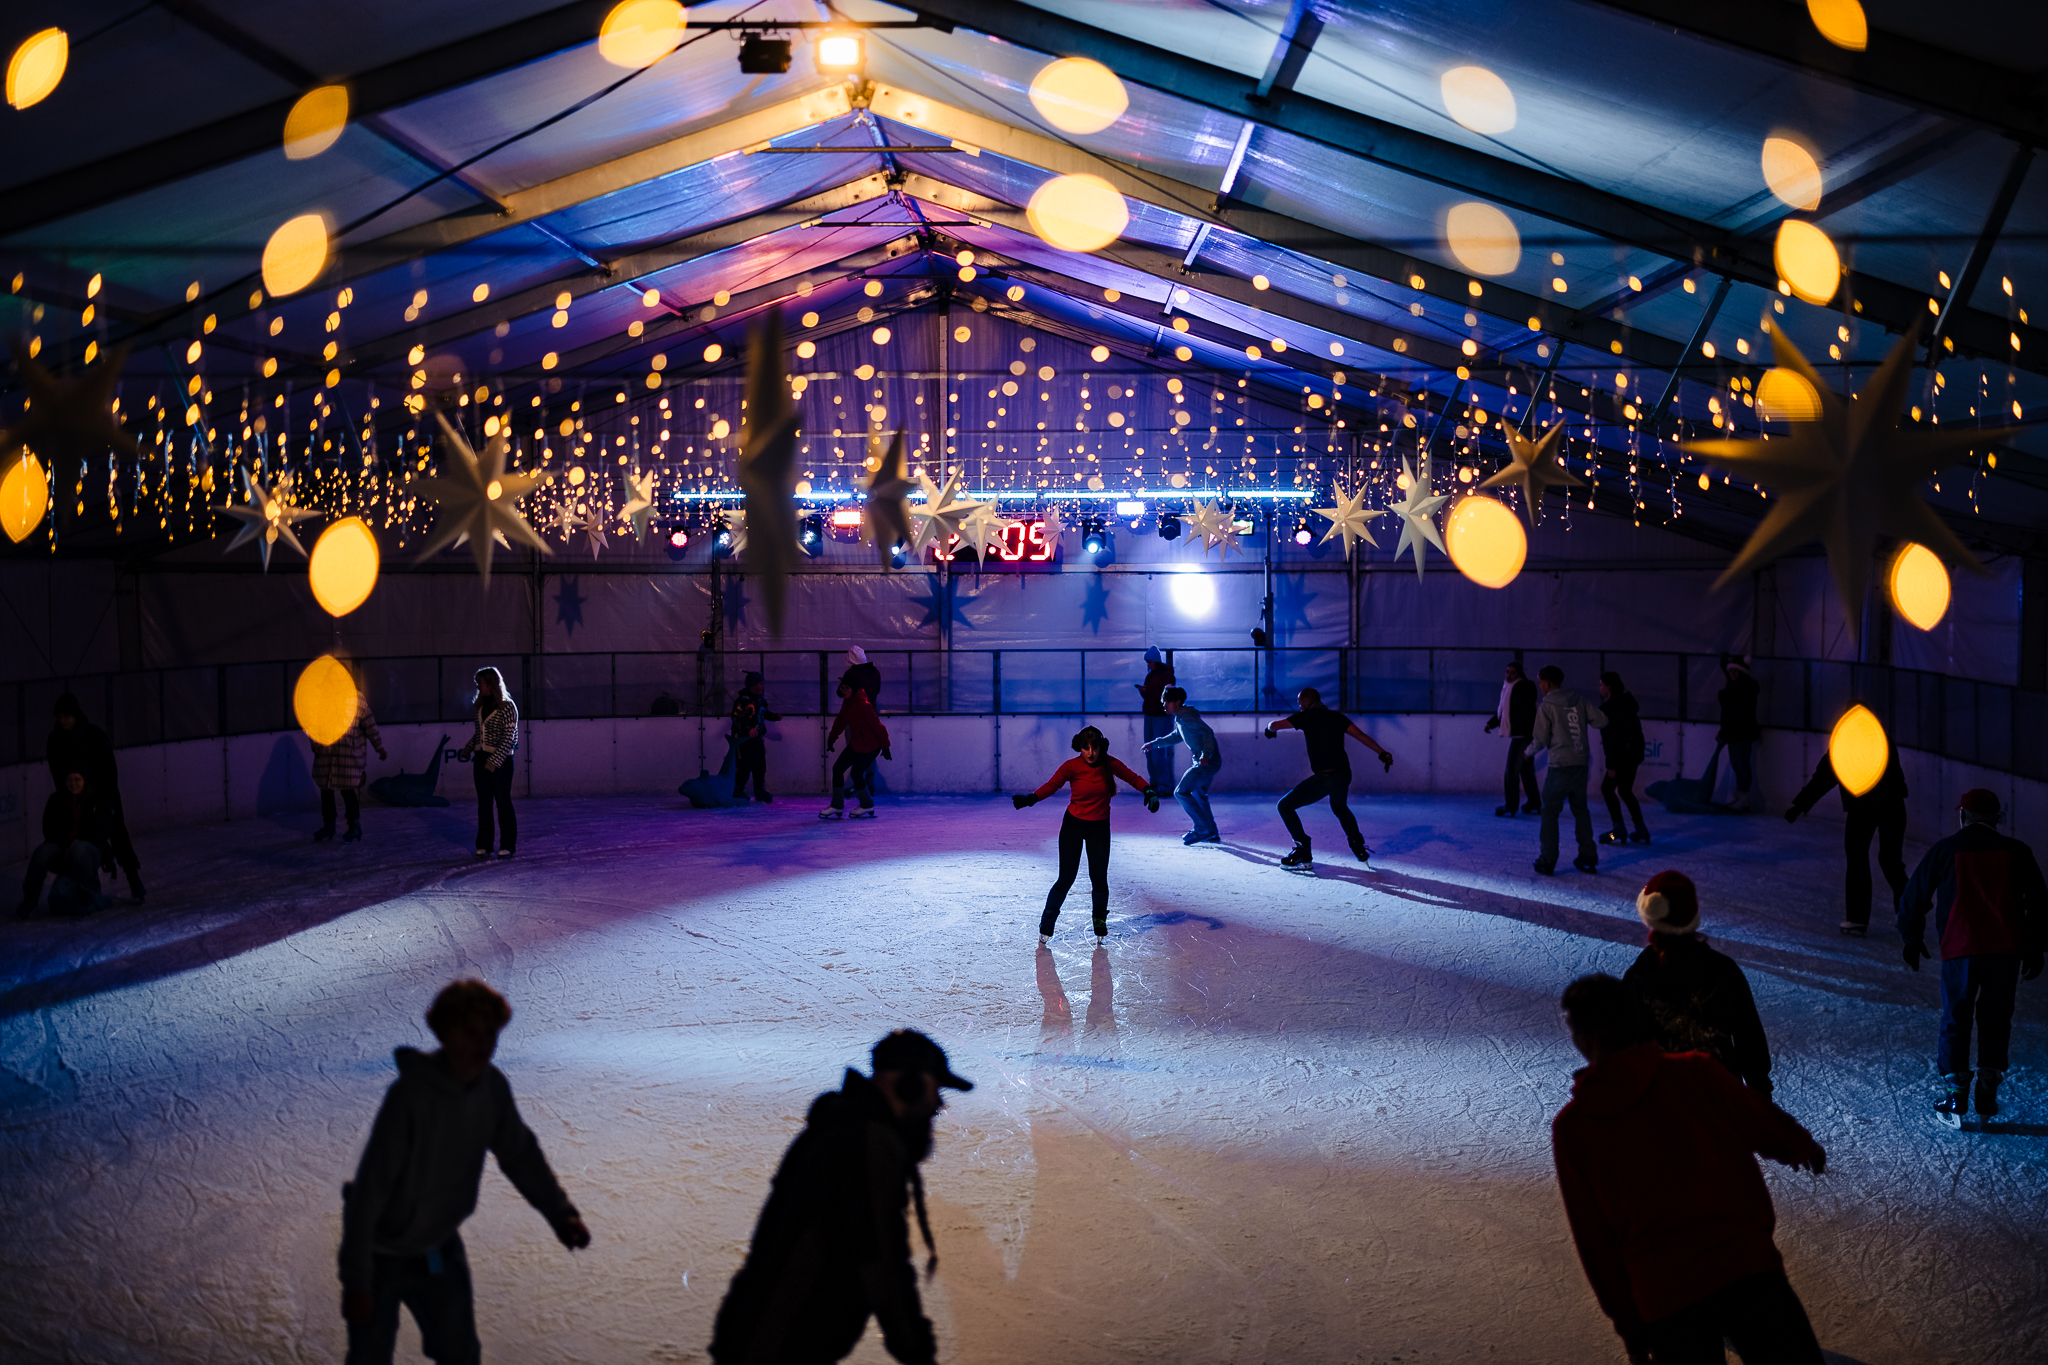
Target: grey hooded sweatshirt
420,1170
1190,729
1565,722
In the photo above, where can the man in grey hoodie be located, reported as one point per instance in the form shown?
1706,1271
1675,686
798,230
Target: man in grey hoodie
1192,791
1565,722
418,1180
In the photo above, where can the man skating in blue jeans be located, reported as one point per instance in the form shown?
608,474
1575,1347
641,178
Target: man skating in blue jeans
1565,722
1192,791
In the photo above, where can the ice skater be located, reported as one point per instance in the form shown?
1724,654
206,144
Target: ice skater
1621,748
1517,711
1329,772
866,739
1880,811
1696,999
1656,1160
76,846
863,675
1990,911
1740,729
78,746
489,753
1086,825
339,767
1564,725
750,717
1158,722
418,1181
832,1247
1205,758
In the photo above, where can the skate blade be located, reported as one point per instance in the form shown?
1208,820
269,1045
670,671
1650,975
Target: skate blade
831,815
1953,1122
861,815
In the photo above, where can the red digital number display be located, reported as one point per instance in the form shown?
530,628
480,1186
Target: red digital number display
1022,542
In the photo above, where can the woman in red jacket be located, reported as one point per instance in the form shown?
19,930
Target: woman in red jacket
1093,776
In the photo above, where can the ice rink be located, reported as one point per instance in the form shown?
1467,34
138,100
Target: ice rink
1283,1118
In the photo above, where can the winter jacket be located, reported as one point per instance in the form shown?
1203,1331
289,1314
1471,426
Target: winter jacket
1654,1159
1565,722
1738,711
1621,742
832,1245
863,729
1698,1000
68,818
340,766
84,748
1190,729
1986,894
496,735
867,678
423,1163
1517,707
1889,789
1093,786
1158,677
749,713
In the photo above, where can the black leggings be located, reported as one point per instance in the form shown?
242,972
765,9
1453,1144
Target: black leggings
1313,789
1074,834
1618,786
349,800
494,789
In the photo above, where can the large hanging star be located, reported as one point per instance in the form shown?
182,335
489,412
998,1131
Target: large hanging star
68,421
1211,526
767,466
591,529
943,512
734,522
1418,515
982,524
267,517
884,523
1349,518
479,501
1051,530
639,505
1534,466
1850,476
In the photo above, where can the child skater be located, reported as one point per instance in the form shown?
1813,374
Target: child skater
1093,776
339,767
1192,791
866,738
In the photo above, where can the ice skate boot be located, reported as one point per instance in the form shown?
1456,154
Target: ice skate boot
1614,836
832,813
1508,811
1044,943
323,834
1851,929
1641,836
1954,1101
1532,808
864,813
1359,850
1586,863
135,890
1987,1092
1298,858
354,835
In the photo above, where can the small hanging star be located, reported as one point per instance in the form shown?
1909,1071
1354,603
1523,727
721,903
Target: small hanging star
267,517
1350,518
943,512
639,505
884,523
479,503
1535,467
1417,515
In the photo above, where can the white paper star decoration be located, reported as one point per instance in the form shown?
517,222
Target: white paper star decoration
1350,518
983,524
1849,476
884,523
1534,466
639,504
767,466
267,517
734,520
1418,515
591,528
1212,527
1052,530
943,512
479,501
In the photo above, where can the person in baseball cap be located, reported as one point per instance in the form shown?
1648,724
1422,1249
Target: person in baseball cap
1990,908
1695,998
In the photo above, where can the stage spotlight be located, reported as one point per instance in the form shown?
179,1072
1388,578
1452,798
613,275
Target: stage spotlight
899,555
813,534
1169,526
721,544
678,544
1302,535
764,56
840,53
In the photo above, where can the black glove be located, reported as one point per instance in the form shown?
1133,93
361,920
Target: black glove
1152,799
1386,763
1914,952
2030,966
1020,802
886,754
1492,724
1271,733
1793,813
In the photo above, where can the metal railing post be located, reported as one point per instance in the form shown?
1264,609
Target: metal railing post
996,690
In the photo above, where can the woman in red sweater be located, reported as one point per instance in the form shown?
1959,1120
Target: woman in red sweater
1093,776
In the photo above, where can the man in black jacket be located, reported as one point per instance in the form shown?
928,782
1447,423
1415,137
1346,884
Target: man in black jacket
1696,999
78,746
831,1246
1880,811
74,847
1517,710
1740,729
750,717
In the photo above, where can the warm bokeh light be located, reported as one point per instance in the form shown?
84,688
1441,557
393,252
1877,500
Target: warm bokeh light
1486,541
1807,261
1078,212
1919,584
1841,22
1482,238
1479,99
315,122
295,255
640,33
840,53
24,497
324,701
343,568
1858,750
36,67
1076,95
1792,172
1786,396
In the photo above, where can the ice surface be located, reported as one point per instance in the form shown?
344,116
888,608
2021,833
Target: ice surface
1284,1118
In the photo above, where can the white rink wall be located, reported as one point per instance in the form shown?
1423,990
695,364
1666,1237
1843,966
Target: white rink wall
204,781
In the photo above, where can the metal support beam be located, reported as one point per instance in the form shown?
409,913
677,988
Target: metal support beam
1699,334
1973,268
1297,36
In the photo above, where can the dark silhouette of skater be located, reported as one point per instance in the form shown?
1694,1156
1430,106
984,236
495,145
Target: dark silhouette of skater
1740,729
76,848
832,1247
1329,772
1152,702
1564,726
78,746
495,741
340,767
1517,711
862,675
1621,753
418,1181
750,717
1695,999
1990,911
866,740
1656,1159
1880,811
1086,824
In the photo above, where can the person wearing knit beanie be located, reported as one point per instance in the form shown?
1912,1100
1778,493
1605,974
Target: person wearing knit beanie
1696,999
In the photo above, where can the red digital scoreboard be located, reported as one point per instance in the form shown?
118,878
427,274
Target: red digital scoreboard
1021,546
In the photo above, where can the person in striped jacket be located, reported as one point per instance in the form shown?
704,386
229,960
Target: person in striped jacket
493,744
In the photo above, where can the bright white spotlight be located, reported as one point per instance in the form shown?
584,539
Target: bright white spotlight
1131,508
1193,593
839,53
